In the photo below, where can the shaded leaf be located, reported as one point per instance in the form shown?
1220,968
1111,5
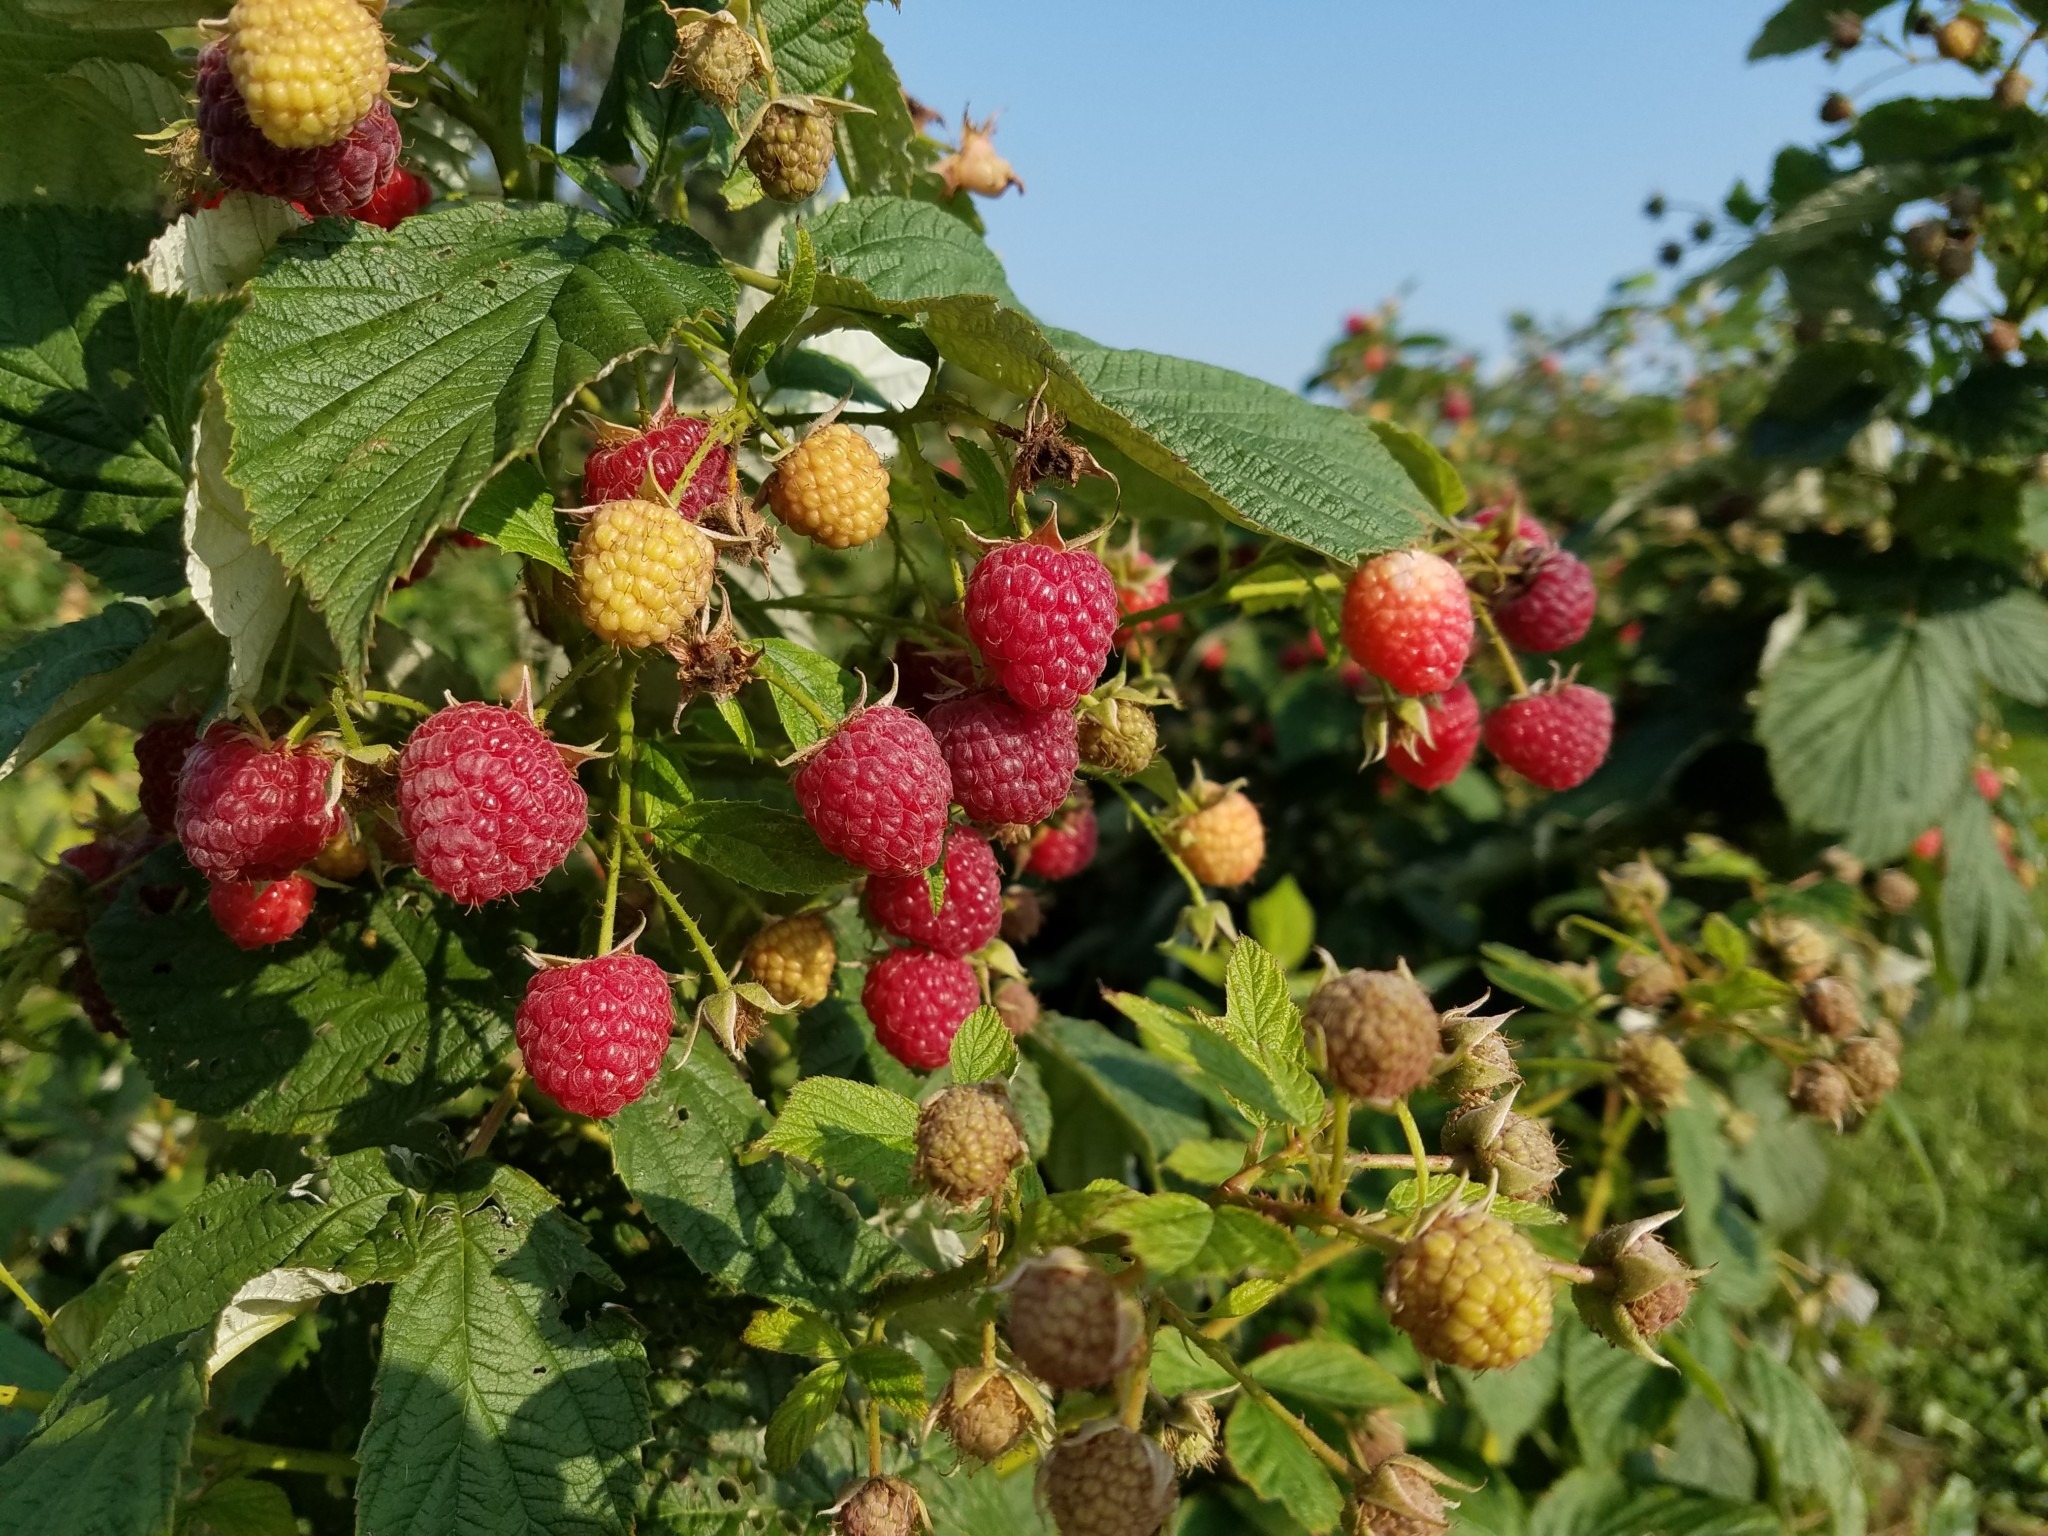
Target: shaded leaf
857,1129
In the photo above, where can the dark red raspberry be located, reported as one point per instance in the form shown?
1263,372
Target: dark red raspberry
969,914
1408,620
1064,846
94,861
329,180
403,194
251,812
160,757
925,677
916,1000
593,1033
1011,766
254,913
84,982
1550,605
486,802
1043,618
1557,737
1453,734
877,792
617,467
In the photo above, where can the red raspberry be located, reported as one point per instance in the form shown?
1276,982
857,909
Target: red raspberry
1043,618
403,194
1528,534
617,467
916,1000
1140,585
160,757
1453,734
877,791
1456,406
251,812
331,179
1556,737
593,1033
1408,621
969,914
1550,605
486,802
1011,766
1066,845
84,981
94,861
254,913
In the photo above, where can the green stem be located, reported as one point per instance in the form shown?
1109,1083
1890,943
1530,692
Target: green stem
805,702
1337,1177
747,277
25,1398
276,1458
622,809
487,1128
550,101
719,979
1418,1153
397,701
1484,613
21,1295
1144,819
1614,1147
343,722
578,670
1258,1394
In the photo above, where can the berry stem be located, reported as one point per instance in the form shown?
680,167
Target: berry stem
1483,611
275,1458
1396,1161
397,701
1613,1148
26,1398
1419,1156
1337,1179
578,670
719,979
1258,1394
622,811
343,722
874,1417
501,1106
29,1302
1199,896
1138,1380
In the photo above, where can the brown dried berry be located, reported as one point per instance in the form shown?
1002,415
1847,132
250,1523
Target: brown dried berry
986,1411
1820,1090
1018,1005
883,1506
1377,1033
1872,1069
1832,1006
1069,1323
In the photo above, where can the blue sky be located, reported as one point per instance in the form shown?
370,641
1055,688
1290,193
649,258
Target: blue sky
1227,181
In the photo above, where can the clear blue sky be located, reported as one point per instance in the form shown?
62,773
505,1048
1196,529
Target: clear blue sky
1227,181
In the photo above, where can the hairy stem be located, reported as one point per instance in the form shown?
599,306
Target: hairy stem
501,1106
1139,814
1322,1450
21,1295
668,898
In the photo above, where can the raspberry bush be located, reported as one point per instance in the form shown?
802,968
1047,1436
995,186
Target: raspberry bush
690,877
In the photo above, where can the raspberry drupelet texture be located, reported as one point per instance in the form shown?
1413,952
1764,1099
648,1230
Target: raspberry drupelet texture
968,1141
983,1413
250,812
882,1506
403,194
916,1001
1453,737
1069,1323
486,802
593,1033
1224,842
832,488
308,70
877,792
970,912
1010,765
791,151
1470,1292
332,179
1555,737
794,957
1550,605
1043,619
1379,1032
1140,585
1065,846
618,466
1408,621
255,913
160,753
1106,1480
1121,738
643,571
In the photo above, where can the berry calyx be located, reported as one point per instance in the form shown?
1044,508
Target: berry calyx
985,1411
832,488
1106,1480
791,150
308,70
1408,621
877,791
1043,616
917,1000
1471,1292
1010,765
968,1141
1065,846
1641,1289
970,912
1069,1322
1453,722
329,179
794,958
618,467
247,811
486,802
1223,841
1478,1062
592,1033
1493,1143
256,913
160,752
643,571
1377,1034
1555,737
1550,605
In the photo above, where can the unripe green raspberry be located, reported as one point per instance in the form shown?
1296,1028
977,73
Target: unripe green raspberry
1820,1090
1636,890
791,150
968,1141
1642,1288
715,58
1492,1141
1479,1061
1121,738
986,1411
1832,1007
1653,1068
643,571
1470,1292
1376,1031
833,488
1105,1480
1872,1069
1069,1322
882,1506
1648,980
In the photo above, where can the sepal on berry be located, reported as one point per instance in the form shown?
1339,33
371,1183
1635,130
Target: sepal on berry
987,1411
1518,1155
1479,1062
1641,1287
737,1014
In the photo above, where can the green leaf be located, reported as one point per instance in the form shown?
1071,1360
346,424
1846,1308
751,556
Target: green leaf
492,1411
1261,1017
1163,1232
1243,1240
776,321
239,1506
1330,1374
1724,941
1206,1162
770,1229
1205,1048
856,1129
790,1332
1844,208
892,1377
1804,1453
1987,918
1283,921
813,42
799,676
1433,474
2007,640
83,459
399,1005
984,1048
1532,980
802,1414
241,586
1443,1186
38,674
877,148
1158,1110
633,113
516,511
1511,1403
757,845
1277,1465
1615,1400
378,380
1803,24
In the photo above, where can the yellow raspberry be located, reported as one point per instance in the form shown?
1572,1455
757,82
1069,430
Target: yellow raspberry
985,1412
794,959
1105,1480
308,70
791,151
1224,843
968,1141
643,571
832,488
1470,1292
